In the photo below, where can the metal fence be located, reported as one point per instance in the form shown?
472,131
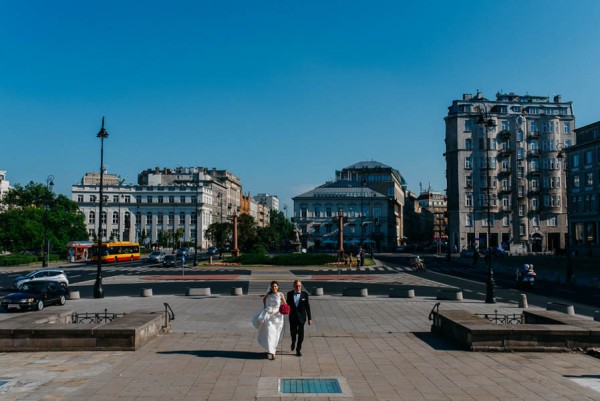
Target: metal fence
83,318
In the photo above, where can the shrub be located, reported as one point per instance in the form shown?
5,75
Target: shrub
303,259
17,259
251,259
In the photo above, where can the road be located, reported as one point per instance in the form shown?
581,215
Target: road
471,280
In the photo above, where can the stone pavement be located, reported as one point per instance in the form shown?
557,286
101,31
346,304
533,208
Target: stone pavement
379,348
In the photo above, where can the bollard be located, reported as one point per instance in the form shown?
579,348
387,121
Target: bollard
74,295
318,291
401,292
355,292
210,260
450,295
197,291
523,301
146,292
559,307
237,291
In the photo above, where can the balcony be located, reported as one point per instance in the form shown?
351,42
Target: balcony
534,191
520,195
505,171
533,134
505,190
504,134
535,171
533,153
504,152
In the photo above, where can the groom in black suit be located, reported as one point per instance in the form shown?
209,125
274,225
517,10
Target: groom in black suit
299,313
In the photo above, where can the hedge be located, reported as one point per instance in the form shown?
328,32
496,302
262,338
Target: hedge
293,259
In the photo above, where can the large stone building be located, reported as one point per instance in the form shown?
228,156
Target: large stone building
4,185
371,198
507,148
172,204
435,203
583,167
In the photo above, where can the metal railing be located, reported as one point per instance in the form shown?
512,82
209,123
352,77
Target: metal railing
169,314
88,317
502,318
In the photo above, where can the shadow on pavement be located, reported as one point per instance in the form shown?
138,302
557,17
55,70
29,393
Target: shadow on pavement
219,354
436,342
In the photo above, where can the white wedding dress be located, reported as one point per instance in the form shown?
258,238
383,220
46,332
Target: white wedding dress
269,323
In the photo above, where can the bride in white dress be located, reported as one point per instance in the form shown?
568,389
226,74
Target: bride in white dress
269,321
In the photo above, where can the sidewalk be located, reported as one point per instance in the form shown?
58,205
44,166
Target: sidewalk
378,348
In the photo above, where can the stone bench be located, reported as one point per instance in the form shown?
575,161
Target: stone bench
197,291
355,292
450,294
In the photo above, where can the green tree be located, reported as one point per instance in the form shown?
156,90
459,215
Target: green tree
246,232
277,234
219,234
23,223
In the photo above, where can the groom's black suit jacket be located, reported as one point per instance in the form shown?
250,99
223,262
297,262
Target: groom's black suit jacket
300,313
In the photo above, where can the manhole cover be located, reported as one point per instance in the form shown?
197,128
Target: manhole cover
309,386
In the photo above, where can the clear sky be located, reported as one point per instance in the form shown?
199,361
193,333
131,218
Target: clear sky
281,93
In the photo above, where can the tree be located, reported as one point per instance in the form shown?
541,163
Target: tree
23,223
219,234
246,232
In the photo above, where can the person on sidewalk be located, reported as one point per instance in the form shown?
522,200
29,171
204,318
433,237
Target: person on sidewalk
269,321
299,314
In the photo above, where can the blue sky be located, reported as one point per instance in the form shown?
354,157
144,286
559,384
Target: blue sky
280,93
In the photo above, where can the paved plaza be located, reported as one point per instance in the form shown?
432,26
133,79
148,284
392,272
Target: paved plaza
378,348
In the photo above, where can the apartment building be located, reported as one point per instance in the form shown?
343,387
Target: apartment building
502,162
435,202
583,169
4,185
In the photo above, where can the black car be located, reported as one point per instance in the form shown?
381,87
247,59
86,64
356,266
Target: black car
34,295
172,261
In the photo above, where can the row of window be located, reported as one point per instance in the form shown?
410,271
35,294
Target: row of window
160,218
534,126
534,145
534,165
127,199
584,203
328,212
549,201
547,182
551,221
327,229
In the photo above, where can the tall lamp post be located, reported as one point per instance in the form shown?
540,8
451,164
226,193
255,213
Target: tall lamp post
561,155
197,219
98,291
487,124
235,252
46,256
341,235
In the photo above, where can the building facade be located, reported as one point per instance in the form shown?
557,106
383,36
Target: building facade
4,185
371,198
583,169
502,161
436,204
257,210
173,205
271,201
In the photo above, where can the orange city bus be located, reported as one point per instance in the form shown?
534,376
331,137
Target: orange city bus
116,251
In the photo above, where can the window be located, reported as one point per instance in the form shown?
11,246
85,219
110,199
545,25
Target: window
521,190
468,162
576,181
554,182
115,198
103,217
504,125
80,198
160,218
484,221
171,218
468,144
469,199
92,217
521,210
149,218
520,136
181,218
468,124
317,212
522,231
533,126
138,218
193,219
317,229
575,161
567,127
552,221
328,212
534,203
520,153
521,172
506,203
505,221
535,221
587,157
93,198
182,199
171,199
115,219
149,199
589,179
469,220
303,212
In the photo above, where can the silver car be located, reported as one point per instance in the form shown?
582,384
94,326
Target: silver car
45,275
156,256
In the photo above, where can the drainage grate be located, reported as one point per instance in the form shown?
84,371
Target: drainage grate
309,386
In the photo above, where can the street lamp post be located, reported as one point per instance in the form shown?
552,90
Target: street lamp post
561,155
235,252
197,219
487,124
341,235
46,251
98,291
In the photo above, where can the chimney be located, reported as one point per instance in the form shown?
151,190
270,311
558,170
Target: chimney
467,96
557,98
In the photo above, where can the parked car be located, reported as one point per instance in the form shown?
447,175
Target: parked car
35,295
45,275
156,256
172,261
212,251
